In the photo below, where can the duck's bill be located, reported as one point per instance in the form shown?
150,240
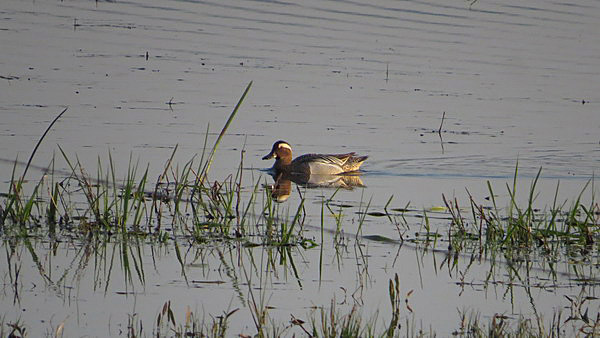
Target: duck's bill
269,156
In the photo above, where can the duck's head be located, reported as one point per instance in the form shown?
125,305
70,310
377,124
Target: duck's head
281,151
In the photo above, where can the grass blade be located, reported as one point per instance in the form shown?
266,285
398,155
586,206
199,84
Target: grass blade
223,131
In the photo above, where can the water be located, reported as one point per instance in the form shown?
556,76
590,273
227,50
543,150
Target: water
516,82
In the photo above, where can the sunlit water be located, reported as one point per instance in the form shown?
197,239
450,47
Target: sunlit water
516,82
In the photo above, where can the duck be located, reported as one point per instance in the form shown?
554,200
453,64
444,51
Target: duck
313,164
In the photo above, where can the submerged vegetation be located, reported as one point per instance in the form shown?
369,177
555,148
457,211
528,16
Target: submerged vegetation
114,216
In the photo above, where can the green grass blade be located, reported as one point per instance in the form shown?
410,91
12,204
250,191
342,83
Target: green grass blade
223,131
40,141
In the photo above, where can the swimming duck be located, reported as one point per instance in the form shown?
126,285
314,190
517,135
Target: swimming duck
315,164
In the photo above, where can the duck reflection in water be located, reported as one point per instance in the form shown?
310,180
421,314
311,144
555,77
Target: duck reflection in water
282,188
312,170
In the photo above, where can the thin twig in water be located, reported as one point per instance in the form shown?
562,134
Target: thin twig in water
170,103
442,123
440,131
387,72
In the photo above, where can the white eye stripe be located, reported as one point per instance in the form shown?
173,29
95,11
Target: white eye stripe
284,145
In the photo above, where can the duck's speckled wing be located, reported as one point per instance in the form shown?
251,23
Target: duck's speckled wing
326,164
337,159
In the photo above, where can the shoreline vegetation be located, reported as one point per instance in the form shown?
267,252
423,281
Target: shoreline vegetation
185,207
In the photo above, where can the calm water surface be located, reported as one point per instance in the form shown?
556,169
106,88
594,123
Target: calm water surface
516,81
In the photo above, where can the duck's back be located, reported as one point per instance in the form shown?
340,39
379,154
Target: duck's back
328,164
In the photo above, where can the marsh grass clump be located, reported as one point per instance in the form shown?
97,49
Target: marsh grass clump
517,228
166,324
499,325
182,203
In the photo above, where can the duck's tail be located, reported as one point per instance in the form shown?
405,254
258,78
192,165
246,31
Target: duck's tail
354,162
